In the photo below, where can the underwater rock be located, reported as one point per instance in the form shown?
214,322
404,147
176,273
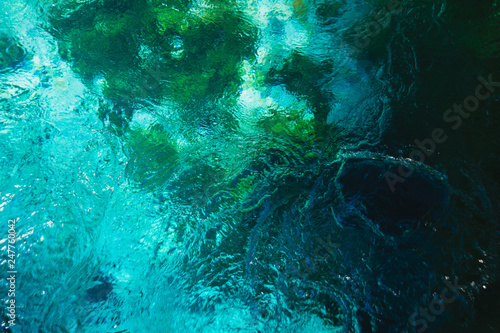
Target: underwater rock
100,292
11,53
422,196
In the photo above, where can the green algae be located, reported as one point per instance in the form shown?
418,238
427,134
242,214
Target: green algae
152,156
156,50
301,75
290,122
192,56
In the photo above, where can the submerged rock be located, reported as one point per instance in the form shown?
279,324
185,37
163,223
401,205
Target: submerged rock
421,197
100,291
11,53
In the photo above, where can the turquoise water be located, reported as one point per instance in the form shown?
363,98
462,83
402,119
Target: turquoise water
221,166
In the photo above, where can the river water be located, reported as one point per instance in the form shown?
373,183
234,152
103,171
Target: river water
249,166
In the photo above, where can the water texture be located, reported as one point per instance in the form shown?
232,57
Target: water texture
250,166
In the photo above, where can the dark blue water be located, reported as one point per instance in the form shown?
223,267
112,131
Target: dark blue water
244,166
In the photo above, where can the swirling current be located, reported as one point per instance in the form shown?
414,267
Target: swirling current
249,166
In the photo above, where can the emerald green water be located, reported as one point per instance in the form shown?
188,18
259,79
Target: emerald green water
219,166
